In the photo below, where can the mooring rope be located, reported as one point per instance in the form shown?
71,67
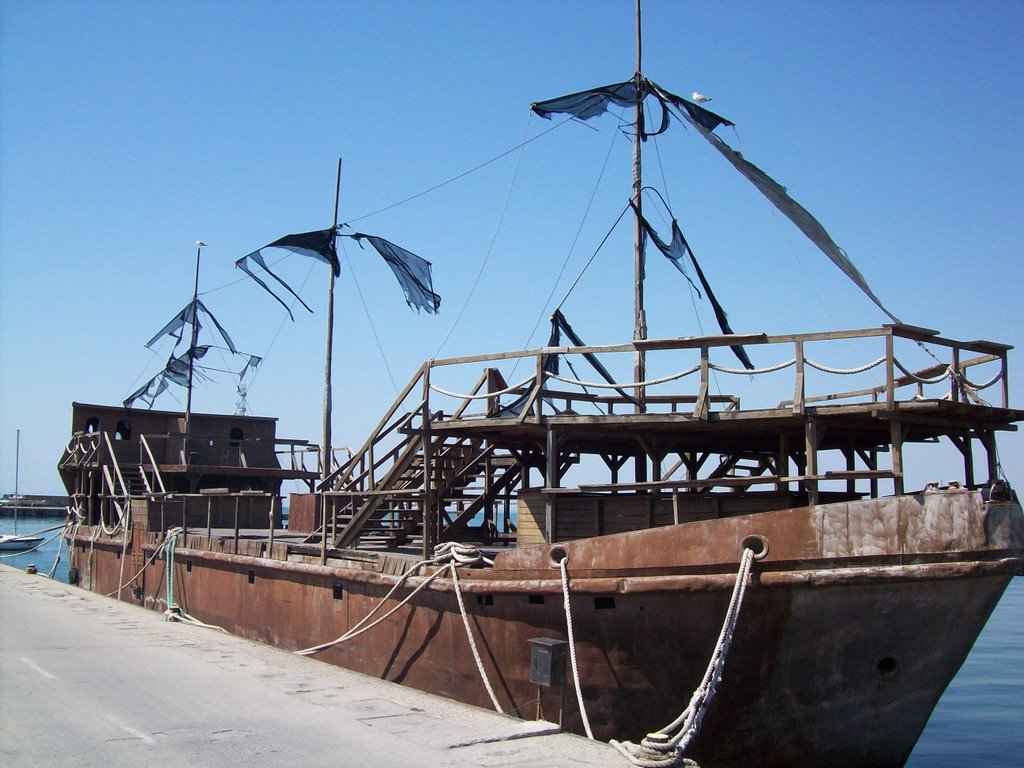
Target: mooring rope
169,545
563,566
452,554
663,749
174,611
472,641
149,562
359,629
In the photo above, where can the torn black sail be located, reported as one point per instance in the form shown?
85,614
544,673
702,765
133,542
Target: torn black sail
676,251
412,272
318,245
596,101
587,104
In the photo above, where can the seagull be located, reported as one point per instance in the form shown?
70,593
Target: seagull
200,243
700,98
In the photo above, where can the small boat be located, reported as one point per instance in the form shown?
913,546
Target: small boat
13,542
19,543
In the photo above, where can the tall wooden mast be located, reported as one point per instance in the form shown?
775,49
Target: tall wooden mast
639,318
326,459
192,350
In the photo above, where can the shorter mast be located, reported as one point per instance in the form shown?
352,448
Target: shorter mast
192,349
326,460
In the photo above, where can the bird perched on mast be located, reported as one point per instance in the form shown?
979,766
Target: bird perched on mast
700,98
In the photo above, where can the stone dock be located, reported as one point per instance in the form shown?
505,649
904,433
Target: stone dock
86,680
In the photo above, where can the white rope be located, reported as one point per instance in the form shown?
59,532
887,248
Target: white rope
604,385
68,526
845,371
752,371
124,556
149,562
450,552
986,385
937,380
663,749
359,629
564,567
472,641
505,391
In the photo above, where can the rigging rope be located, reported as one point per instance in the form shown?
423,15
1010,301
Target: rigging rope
572,246
494,237
461,175
592,257
663,748
369,319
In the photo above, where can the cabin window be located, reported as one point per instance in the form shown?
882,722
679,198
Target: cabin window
123,431
604,603
339,591
252,577
92,424
535,600
485,599
236,436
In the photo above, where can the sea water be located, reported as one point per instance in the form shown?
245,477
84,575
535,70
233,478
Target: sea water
978,723
44,556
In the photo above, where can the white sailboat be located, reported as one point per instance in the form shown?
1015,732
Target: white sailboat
13,542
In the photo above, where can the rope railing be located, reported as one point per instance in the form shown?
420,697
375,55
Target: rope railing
945,375
484,396
605,385
984,352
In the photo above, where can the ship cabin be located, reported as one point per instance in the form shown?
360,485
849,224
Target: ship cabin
210,470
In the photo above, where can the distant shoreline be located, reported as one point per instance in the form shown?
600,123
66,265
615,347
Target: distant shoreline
37,504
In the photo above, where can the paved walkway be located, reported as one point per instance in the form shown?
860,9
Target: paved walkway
88,681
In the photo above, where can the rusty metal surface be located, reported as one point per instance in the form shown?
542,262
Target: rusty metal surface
844,651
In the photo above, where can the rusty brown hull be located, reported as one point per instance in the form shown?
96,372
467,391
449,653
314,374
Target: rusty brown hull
855,620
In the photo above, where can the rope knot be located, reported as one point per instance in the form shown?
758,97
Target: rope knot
460,554
655,751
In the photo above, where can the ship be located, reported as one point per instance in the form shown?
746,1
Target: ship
734,581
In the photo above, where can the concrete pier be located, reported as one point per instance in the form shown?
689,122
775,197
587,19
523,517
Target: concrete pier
86,680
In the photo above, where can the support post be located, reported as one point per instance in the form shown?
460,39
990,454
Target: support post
551,480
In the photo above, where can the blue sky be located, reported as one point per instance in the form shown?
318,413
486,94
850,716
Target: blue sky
130,130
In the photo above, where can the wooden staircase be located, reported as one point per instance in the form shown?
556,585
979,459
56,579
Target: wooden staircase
405,474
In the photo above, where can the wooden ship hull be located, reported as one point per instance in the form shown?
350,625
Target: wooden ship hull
860,606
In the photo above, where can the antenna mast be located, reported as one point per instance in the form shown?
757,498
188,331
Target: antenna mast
639,318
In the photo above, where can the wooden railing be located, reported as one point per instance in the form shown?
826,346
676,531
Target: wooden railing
691,357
